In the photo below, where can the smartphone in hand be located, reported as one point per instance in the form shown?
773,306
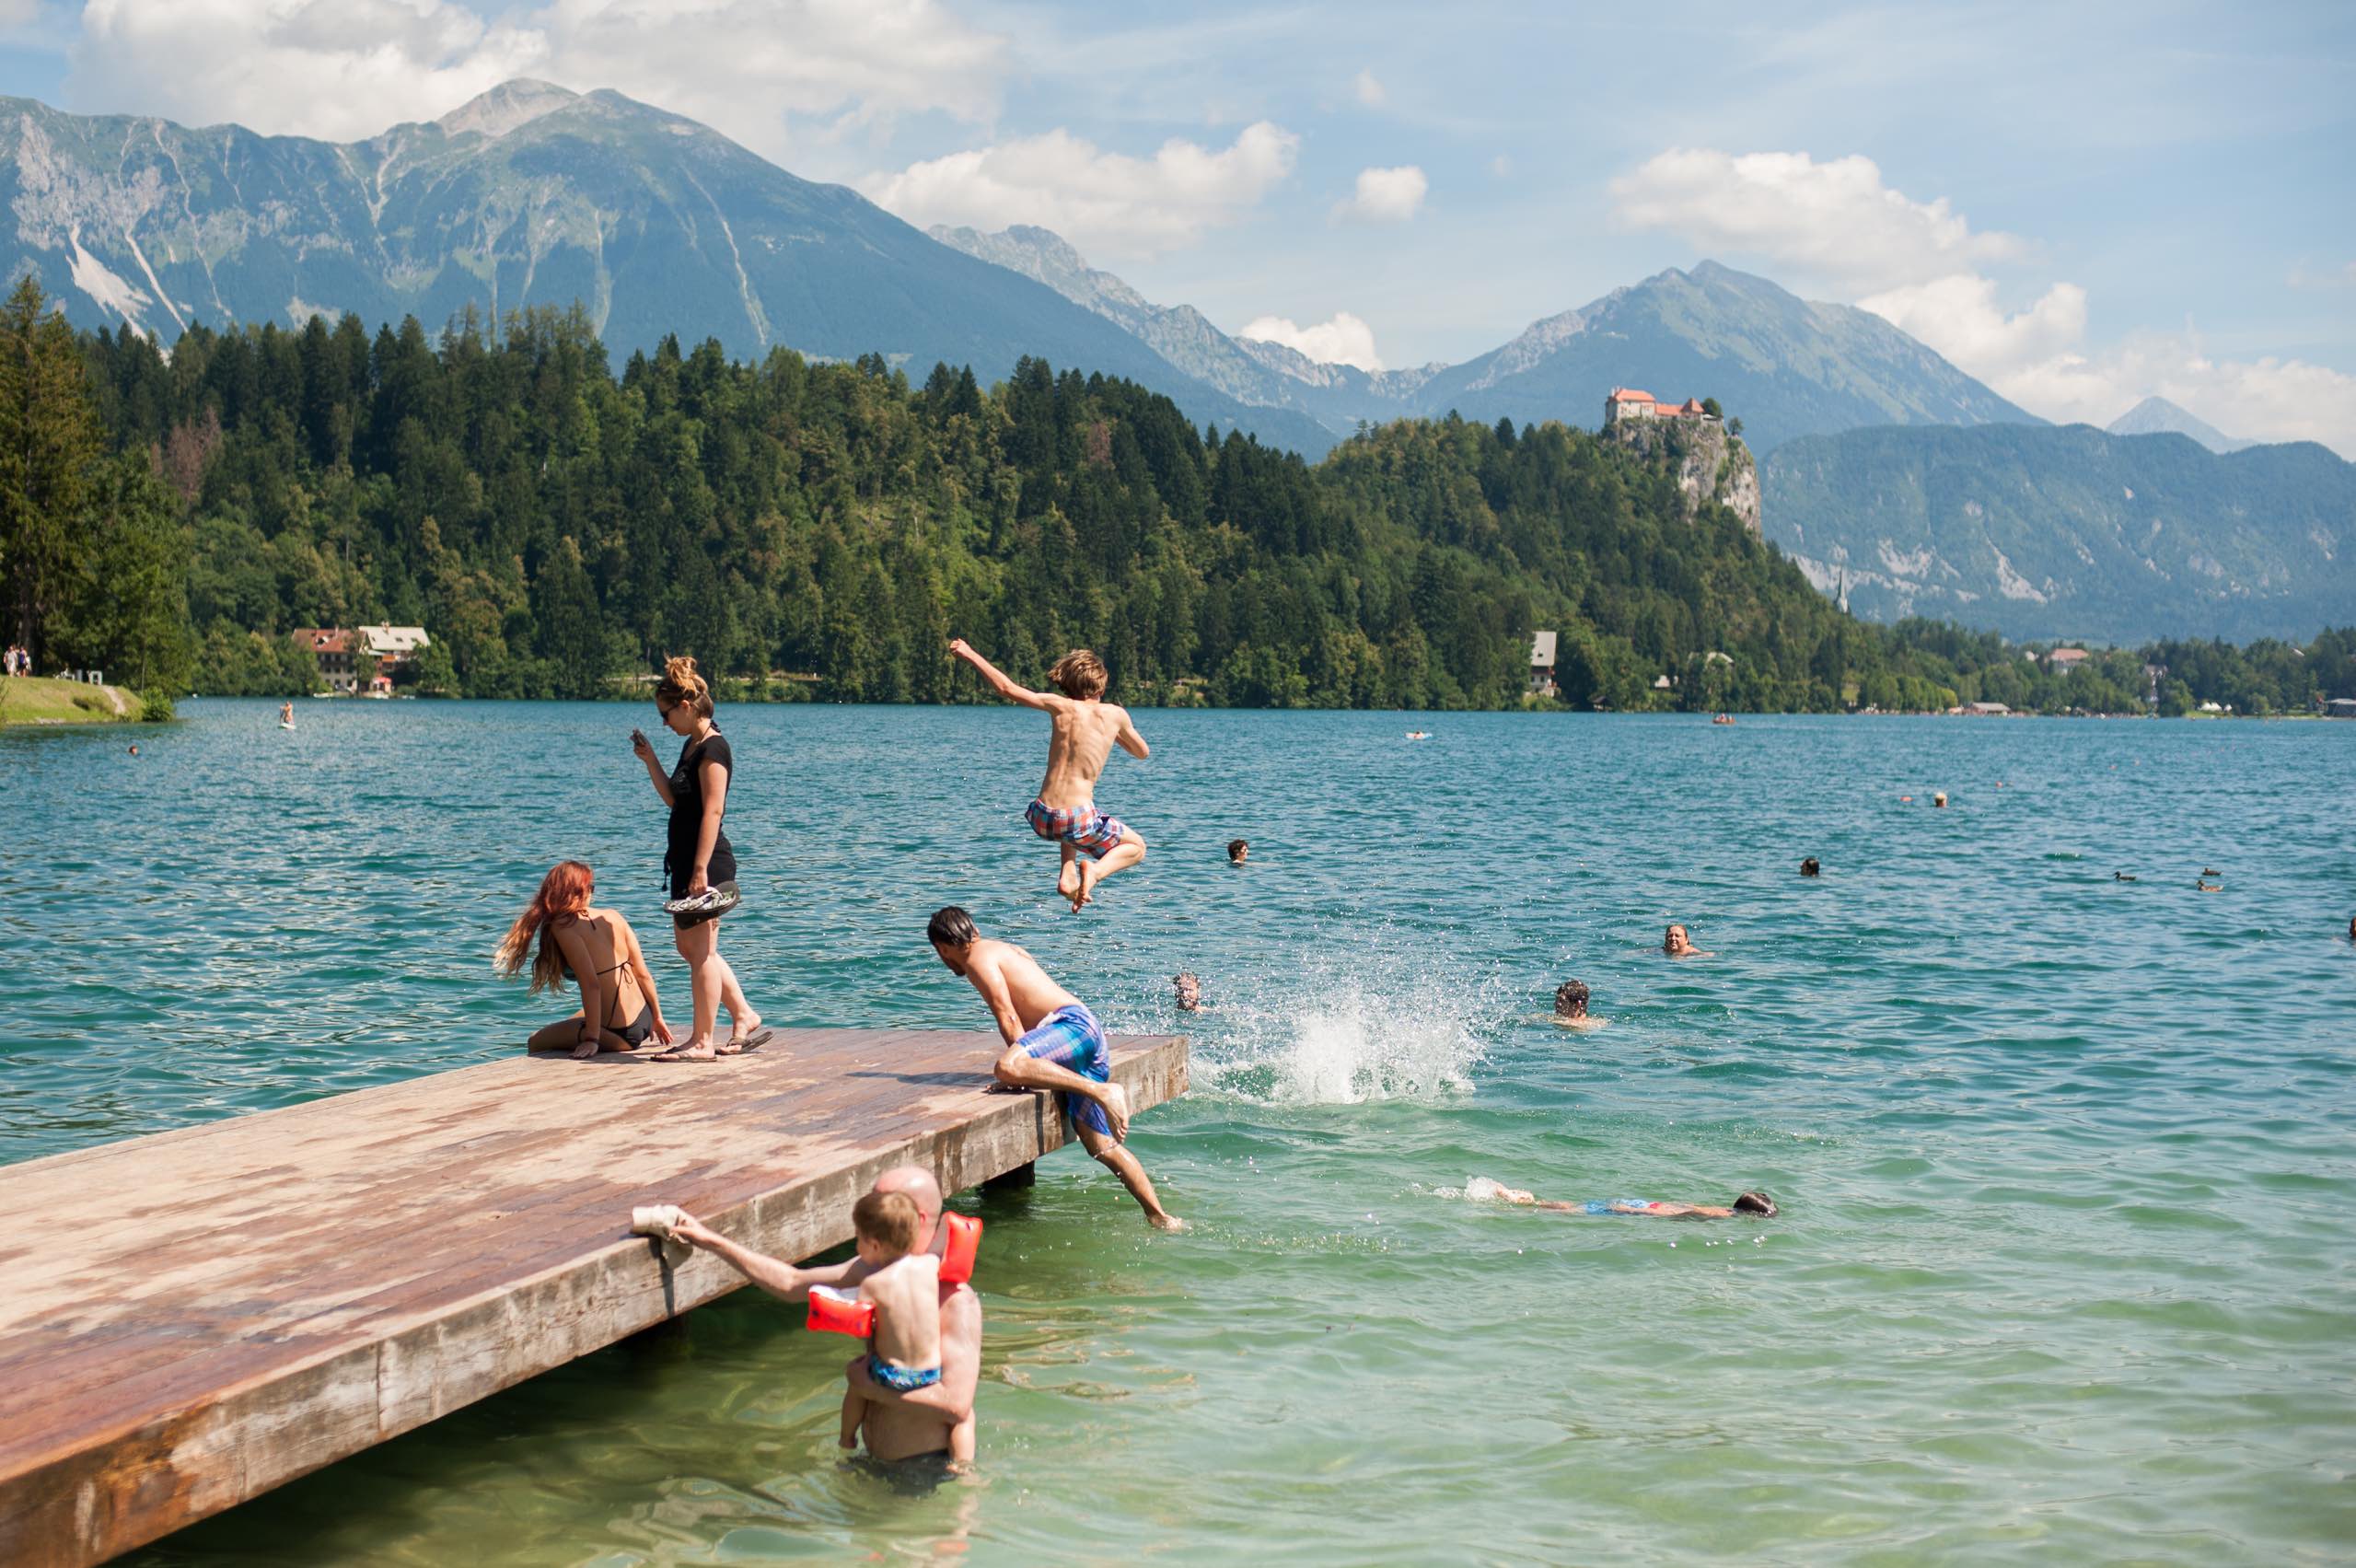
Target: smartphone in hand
638,738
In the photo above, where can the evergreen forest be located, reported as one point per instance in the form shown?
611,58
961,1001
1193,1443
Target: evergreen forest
819,530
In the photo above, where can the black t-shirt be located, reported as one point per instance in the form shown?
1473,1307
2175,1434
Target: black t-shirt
687,812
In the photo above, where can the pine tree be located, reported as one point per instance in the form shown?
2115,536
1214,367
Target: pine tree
49,442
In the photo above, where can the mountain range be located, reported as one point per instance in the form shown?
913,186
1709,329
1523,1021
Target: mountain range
533,194
1788,367
2039,532
1883,463
529,195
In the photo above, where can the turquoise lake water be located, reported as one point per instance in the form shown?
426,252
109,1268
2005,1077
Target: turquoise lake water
2065,1164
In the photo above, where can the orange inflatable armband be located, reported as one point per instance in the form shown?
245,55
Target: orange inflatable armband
837,1311
965,1240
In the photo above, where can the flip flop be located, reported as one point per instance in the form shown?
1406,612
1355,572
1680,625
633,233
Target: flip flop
678,1053
753,1041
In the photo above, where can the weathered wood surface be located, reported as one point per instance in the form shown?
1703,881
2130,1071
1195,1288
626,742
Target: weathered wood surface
190,1319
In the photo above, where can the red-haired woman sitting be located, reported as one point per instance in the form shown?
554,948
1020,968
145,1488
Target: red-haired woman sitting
598,948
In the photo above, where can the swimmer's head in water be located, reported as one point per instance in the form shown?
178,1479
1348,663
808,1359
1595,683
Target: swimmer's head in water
1808,867
1080,674
1189,991
1755,1203
1675,940
1239,849
951,932
1571,1000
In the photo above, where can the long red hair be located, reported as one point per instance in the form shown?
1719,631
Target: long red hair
564,891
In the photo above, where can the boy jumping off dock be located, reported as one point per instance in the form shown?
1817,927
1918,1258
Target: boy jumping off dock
1052,1043
1086,729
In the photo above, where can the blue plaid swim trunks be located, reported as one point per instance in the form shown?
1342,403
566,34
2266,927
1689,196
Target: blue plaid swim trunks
1070,1037
1082,827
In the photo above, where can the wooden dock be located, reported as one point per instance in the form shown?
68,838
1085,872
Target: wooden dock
192,1318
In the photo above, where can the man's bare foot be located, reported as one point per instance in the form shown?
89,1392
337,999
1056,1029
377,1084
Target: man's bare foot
1170,1222
1067,881
1083,889
1116,1108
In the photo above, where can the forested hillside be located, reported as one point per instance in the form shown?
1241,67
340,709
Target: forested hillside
555,525
820,531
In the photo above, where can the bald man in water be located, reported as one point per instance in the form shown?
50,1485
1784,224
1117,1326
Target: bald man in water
923,1423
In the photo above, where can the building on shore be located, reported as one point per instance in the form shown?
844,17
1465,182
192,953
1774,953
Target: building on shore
1542,664
339,649
2061,661
1627,402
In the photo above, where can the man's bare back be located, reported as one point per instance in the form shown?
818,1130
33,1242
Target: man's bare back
1027,988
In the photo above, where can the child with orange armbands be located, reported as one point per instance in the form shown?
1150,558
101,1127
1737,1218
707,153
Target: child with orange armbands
904,1289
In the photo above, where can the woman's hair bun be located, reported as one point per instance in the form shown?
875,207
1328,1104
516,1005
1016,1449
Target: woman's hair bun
678,671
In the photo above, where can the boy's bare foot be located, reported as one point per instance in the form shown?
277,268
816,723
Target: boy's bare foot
1083,889
1116,1107
1170,1222
1067,881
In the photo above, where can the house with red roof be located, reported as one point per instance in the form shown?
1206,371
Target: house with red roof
1628,402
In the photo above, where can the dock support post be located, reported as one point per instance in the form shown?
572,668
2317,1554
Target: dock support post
1025,1174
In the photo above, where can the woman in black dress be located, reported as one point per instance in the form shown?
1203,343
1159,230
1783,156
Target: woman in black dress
699,859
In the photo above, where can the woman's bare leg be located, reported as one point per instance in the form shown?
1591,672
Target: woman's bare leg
699,945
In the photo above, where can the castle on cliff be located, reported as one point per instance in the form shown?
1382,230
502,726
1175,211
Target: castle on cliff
1627,402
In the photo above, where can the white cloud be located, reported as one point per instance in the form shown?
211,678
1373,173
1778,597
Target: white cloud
1501,166
1369,90
2304,277
1833,224
346,72
2037,359
1385,195
1109,204
1837,227
18,12
1345,340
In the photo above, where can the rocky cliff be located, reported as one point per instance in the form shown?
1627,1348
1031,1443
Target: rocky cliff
1709,464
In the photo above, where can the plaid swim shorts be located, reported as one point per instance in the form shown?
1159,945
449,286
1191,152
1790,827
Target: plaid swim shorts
1082,827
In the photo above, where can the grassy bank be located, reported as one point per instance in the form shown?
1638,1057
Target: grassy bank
26,699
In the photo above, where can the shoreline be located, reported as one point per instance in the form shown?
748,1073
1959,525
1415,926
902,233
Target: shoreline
35,701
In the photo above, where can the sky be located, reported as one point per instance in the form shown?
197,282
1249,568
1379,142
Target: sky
2079,204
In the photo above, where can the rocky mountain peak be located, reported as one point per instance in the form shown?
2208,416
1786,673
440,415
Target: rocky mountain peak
506,107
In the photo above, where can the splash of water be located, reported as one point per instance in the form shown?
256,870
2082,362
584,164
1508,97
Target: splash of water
1385,1024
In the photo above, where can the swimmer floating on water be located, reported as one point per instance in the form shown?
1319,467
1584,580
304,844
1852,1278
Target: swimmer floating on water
1481,1189
1570,1008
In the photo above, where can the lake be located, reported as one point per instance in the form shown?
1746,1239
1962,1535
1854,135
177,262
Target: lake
2064,1162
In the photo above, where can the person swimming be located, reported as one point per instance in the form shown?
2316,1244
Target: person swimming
1189,991
1480,1188
1676,944
1238,851
1570,1008
1809,867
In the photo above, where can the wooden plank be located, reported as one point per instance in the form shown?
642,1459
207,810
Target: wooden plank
189,1318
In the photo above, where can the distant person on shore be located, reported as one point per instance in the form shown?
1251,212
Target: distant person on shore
1189,991
1481,1189
1052,1043
1238,851
1677,945
904,1288
1809,867
1084,728
598,948
933,1424
699,861
1571,1006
